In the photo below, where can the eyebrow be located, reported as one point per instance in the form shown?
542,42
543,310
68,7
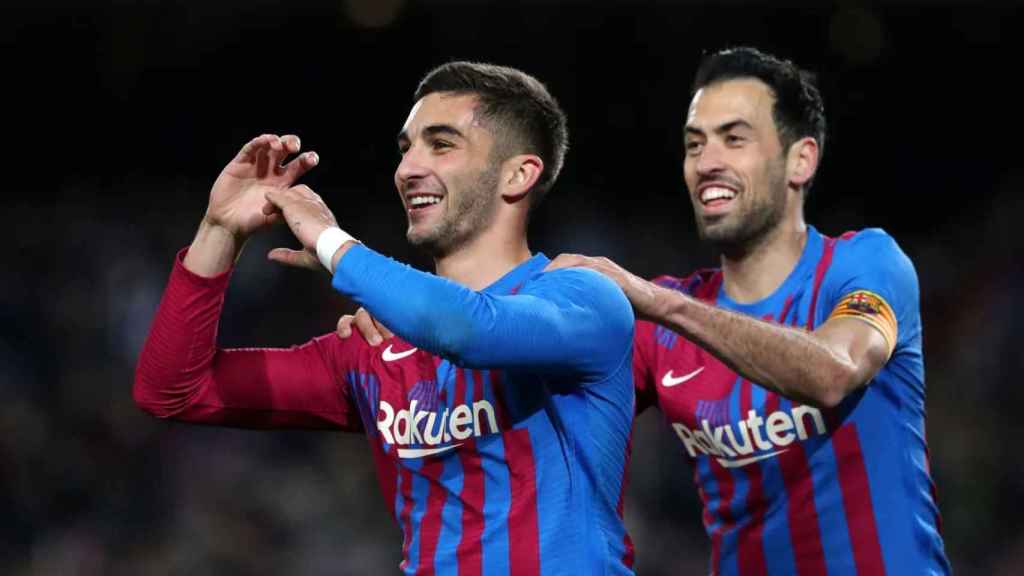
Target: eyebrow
721,129
433,130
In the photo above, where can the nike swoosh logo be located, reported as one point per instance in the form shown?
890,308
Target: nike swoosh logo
390,356
668,381
745,461
421,452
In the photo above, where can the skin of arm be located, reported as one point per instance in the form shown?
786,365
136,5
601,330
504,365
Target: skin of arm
818,368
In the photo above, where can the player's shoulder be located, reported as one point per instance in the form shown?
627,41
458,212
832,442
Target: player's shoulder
574,280
581,285
867,241
872,257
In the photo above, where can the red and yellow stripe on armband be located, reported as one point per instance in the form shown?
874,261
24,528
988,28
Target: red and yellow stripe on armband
871,308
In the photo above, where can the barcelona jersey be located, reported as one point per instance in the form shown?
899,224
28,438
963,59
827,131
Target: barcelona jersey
499,420
789,488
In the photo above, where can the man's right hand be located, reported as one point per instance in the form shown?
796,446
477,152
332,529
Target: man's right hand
239,194
367,325
238,203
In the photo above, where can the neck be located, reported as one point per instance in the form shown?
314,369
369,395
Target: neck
756,272
486,258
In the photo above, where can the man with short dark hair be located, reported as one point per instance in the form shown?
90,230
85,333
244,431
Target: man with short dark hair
798,384
500,420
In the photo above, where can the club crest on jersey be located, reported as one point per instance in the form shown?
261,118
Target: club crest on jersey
864,302
757,438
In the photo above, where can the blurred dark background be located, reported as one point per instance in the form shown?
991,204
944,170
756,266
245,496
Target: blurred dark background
121,114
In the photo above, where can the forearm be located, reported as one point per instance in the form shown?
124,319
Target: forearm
545,328
788,360
182,375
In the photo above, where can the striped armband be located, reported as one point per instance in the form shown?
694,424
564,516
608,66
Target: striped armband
871,308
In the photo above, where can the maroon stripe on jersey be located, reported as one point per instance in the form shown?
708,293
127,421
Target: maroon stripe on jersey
709,290
470,550
750,555
430,523
498,391
406,478
523,531
819,274
804,532
387,473
860,514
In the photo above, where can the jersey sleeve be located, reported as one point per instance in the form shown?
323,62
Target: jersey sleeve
569,321
872,280
182,375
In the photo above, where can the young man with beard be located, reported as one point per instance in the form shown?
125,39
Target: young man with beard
798,383
499,421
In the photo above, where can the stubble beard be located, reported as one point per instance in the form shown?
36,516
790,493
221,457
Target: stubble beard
467,214
741,232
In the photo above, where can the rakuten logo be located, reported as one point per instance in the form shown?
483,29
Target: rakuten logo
431,431
779,430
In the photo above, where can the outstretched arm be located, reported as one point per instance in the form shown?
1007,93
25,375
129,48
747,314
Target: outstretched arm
565,322
818,368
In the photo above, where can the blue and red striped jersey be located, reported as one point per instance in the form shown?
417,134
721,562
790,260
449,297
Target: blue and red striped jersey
789,488
505,453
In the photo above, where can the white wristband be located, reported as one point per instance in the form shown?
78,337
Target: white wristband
328,242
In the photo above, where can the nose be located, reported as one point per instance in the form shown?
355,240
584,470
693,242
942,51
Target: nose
710,160
412,167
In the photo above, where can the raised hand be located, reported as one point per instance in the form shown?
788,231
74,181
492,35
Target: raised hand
238,196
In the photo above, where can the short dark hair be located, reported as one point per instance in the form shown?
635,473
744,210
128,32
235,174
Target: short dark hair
798,111
522,113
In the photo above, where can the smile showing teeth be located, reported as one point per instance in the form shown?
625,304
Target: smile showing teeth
420,201
712,193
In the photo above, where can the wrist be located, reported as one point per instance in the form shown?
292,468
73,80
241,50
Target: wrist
214,250
209,227
331,245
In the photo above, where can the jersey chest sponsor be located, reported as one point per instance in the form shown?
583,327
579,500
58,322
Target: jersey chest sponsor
752,439
417,433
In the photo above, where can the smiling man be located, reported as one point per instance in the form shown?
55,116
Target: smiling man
797,385
499,421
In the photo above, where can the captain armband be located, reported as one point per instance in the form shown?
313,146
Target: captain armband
869,307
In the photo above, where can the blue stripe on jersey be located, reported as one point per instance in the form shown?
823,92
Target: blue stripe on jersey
497,501
728,564
711,494
399,500
757,399
446,381
895,524
778,552
445,560
553,505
